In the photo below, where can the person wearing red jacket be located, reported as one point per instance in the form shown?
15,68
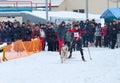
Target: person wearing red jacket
77,39
104,33
36,32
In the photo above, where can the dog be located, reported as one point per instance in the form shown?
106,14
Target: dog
64,53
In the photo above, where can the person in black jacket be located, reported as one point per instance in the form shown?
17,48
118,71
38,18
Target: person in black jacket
109,34
15,32
86,37
7,34
22,30
25,32
114,37
61,35
28,33
50,36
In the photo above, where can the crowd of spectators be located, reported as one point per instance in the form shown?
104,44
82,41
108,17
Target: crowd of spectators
96,35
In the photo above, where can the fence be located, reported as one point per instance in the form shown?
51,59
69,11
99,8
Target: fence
17,4
20,49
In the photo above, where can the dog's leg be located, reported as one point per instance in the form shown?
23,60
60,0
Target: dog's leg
61,56
61,59
66,55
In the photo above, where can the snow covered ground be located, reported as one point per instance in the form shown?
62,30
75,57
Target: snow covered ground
45,67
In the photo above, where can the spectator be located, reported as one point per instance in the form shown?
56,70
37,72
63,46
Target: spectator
68,36
104,33
86,36
1,34
91,33
109,34
50,38
114,37
7,34
36,32
15,32
98,34
42,37
28,33
61,35
23,32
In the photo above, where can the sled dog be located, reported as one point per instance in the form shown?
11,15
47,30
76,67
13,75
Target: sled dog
64,53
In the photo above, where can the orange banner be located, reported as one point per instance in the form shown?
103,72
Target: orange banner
20,49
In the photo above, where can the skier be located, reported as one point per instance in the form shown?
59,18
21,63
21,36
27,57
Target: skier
77,39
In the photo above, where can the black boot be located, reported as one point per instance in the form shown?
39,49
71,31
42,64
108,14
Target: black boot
70,56
83,58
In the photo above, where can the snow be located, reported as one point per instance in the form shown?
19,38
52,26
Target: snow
45,67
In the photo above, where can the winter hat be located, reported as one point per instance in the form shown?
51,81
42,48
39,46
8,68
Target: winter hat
63,22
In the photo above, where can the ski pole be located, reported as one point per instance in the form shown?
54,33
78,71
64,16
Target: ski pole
89,53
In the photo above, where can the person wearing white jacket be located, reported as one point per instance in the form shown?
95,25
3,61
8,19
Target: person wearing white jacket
98,34
42,38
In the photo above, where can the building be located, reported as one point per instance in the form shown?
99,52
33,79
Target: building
94,6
